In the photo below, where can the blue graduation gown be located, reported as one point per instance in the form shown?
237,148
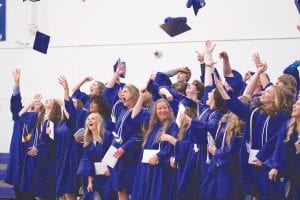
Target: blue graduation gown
64,140
153,182
45,169
127,136
83,97
95,153
285,161
264,137
224,169
18,149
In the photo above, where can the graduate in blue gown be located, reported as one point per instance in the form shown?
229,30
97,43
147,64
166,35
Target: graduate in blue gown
223,177
127,134
23,125
261,125
286,157
96,142
95,89
183,187
154,175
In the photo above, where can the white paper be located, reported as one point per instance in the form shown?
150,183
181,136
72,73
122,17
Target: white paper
252,156
109,158
100,168
210,140
51,126
181,110
80,132
148,153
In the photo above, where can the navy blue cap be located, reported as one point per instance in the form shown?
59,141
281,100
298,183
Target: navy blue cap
297,2
41,42
116,66
175,26
197,4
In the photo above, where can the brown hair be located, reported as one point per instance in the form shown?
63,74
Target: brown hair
55,113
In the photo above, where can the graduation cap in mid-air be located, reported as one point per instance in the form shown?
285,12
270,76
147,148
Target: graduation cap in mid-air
297,2
32,0
197,4
117,64
41,42
175,26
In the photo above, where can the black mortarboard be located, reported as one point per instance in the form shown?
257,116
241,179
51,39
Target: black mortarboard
197,4
32,0
41,42
175,26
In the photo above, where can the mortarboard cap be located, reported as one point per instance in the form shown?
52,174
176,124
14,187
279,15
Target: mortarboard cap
41,42
197,4
116,65
297,2
32,0
175,26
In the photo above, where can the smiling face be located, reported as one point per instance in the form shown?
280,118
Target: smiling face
94,89
182,77
162,111
267,96
191,89
296,110
92,122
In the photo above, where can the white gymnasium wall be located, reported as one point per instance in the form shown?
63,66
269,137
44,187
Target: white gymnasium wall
87,38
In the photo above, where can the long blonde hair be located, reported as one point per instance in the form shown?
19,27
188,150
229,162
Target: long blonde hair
236,125
88,135
280,102
293,126
191,112
154,119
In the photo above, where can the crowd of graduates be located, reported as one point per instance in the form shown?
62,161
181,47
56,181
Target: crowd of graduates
212,138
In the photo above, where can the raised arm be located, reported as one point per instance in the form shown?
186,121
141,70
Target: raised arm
262,67
139,104
16,89
227,71
263,77
35,99
220,88
83,81
209,47
121,69
63,82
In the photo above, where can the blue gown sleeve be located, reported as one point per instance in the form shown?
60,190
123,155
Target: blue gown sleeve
166,149
16,106
181,150
202,68
111,95
278,157
223,156
71,122
266,150
83,97
199,129
292,70
237,107
86,166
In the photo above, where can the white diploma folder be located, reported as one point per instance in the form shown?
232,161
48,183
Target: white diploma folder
109,158
148,153
252,155
100,168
